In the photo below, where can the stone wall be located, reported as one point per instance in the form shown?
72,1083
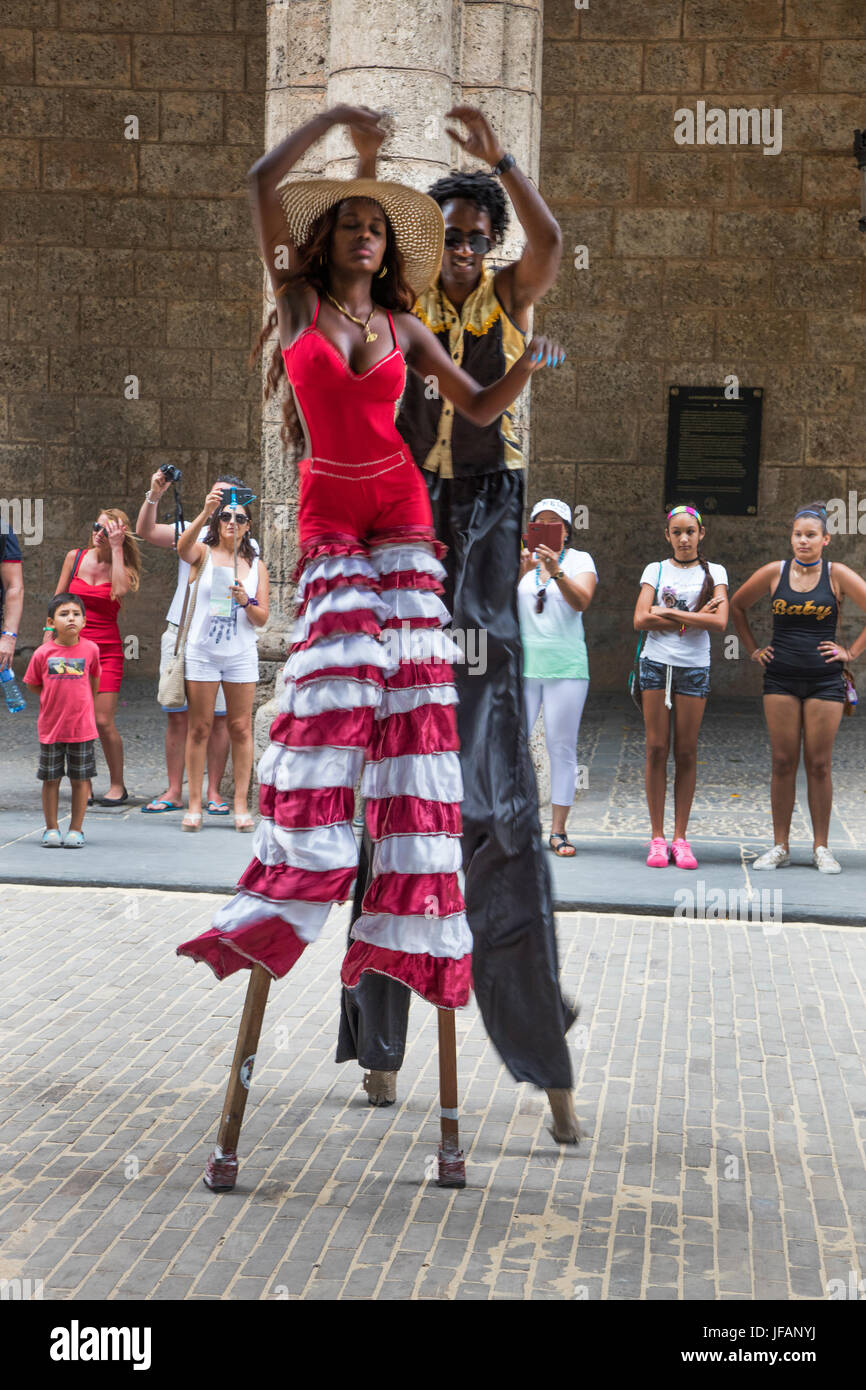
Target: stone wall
126,258
704,261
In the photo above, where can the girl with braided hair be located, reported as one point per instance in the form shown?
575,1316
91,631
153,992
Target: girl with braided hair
682,600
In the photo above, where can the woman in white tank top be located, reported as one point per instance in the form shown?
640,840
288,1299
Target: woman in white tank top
221,645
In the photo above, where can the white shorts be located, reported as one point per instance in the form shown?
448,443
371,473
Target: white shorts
166,650
202,665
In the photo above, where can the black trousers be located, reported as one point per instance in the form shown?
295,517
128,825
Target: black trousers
507,884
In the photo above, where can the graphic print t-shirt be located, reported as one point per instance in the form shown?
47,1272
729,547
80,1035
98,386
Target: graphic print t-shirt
679,588
66,703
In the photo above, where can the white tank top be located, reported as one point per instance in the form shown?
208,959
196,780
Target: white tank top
209,633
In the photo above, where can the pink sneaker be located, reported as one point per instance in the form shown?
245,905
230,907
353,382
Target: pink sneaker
682,853
658,855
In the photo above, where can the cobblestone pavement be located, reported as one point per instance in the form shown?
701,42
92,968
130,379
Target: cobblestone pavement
719,1079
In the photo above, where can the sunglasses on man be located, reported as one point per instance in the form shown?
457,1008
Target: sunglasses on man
478,242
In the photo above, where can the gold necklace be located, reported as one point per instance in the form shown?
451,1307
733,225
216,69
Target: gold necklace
368,336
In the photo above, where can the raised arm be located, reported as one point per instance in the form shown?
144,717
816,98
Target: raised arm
268,218
480,404
188,546
521,283
146,525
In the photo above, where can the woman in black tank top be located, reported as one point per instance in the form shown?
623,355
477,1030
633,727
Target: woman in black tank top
804,681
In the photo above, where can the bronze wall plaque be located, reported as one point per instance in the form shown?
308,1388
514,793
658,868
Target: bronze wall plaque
714,444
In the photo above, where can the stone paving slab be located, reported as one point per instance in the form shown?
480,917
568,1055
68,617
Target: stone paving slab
719,1078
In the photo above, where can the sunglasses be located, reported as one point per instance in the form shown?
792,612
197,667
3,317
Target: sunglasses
539,602
478,242
97,527
234,516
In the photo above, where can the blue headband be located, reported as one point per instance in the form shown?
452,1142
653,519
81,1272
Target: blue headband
810,511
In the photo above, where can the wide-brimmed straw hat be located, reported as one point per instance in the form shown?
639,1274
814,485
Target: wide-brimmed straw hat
419,227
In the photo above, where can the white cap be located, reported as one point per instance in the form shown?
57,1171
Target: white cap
552,504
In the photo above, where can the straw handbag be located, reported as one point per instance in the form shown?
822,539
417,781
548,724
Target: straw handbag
172,689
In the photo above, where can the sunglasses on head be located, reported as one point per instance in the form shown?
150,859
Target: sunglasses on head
229,515
478,242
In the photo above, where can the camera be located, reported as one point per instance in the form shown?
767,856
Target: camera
170,473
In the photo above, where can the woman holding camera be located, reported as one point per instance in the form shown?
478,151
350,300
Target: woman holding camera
231,604
101,575
556,588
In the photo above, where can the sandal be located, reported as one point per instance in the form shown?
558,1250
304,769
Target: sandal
564,849
218,808
158,808
244,822
191,821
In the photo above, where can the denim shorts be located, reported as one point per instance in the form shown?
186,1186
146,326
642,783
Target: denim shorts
685,680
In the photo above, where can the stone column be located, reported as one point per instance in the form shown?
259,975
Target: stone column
416,61
500,72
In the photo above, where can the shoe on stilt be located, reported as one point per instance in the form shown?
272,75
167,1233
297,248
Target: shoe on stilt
381,1087
565,1128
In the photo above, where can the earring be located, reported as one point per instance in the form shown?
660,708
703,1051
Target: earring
323,260
382,273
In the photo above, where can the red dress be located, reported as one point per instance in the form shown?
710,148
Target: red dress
368,689
100,626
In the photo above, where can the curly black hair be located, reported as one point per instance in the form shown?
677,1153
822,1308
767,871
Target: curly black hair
479,188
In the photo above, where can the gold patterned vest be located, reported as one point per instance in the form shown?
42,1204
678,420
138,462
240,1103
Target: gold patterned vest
485,342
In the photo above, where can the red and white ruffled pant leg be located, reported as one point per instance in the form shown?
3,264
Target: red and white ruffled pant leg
305,852
413,925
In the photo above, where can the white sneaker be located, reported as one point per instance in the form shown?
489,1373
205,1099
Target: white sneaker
824,861
775,858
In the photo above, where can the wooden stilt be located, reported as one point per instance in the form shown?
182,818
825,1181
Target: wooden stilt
221,1169
452,1166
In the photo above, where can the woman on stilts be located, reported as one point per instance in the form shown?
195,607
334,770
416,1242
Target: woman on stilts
368,684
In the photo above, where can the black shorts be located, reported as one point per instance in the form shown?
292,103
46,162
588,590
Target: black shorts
817,685
76,761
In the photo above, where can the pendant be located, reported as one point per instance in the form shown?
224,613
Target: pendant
370,337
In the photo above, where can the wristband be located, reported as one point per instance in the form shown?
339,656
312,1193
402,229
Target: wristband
251,603
506,162
4,633
153,501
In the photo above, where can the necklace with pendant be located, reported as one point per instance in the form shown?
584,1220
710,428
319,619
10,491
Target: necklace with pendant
369,335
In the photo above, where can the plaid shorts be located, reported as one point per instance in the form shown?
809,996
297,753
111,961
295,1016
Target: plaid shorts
77,761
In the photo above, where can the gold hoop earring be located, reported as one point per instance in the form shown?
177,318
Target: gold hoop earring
382,273
323,260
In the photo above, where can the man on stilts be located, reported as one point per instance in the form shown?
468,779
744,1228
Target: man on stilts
475,480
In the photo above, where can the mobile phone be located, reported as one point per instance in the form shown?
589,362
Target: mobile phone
544,533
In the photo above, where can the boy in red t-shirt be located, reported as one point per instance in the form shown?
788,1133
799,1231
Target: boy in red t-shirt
65,671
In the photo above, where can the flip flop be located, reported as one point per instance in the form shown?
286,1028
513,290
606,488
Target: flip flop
218,808
158,808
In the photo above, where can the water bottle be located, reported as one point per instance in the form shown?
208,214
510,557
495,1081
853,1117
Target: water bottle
14,698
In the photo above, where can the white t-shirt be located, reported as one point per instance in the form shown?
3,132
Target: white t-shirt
175,608
681,588
553,642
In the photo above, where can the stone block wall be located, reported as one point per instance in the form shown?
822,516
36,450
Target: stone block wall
703,261
126,257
